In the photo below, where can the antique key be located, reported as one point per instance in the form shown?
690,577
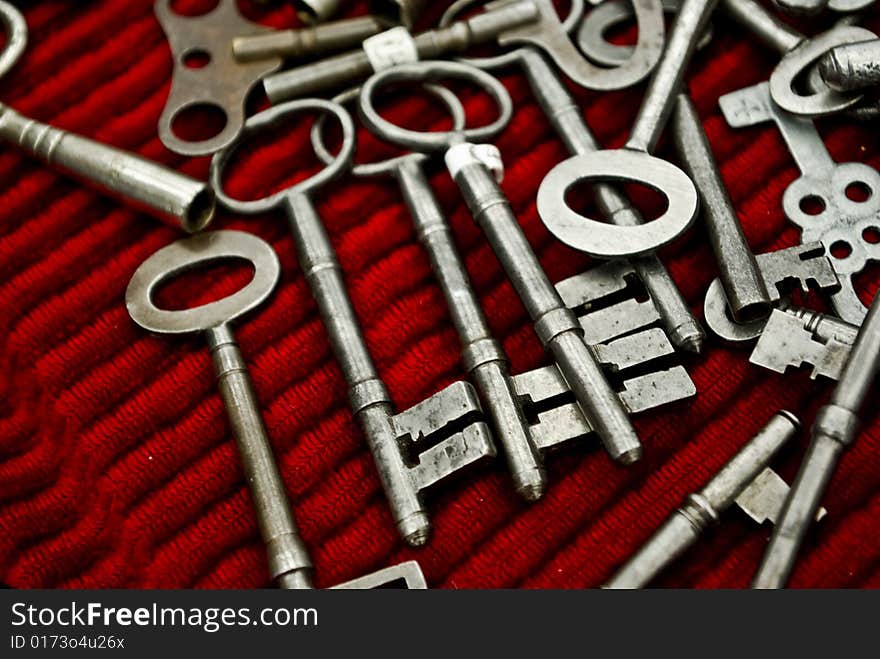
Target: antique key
413,449
172,197
834,430
565,116
818,202
289,562
482,355
475,168
704,508
393,47
852,66
743,283
798,55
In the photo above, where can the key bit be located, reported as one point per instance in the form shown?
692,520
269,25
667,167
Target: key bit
350,68
704,508
289,562
834,430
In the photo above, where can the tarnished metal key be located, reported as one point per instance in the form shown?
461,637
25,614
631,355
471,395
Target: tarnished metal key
289,562
852,66
413,449
819,200
483,356
474,168
743,283
834,430
704,508
565,116
799,54
393,47
172,197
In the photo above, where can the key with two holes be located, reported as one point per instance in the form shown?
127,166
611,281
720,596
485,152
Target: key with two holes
413,449
818,200
289,562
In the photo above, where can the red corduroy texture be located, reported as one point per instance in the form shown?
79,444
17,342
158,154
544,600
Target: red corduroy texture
116,465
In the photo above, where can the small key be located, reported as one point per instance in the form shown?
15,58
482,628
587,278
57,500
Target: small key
289,562
483,356
705,508
394,47
307,42
171,197
802,267
476,168
852,66
793,337
799,54
566,117
743,284
414,449
817,201
835,429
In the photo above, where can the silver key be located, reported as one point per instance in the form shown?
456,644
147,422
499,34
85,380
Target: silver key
483,356
416,448
852,66
306,42
393,47
565,116
799,54
817,201
682,529
475,168
172,197
834,430
289,562
744,286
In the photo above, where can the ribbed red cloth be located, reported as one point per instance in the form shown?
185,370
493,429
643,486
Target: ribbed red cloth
116,465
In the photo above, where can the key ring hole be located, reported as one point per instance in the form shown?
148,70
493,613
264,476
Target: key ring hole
431,71
651,202
193,8
203,283
840,249
199,122
270,165
812,205
197,58
859,192
871,235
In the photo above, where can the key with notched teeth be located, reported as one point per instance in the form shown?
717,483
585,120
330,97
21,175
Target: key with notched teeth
622,328
746,481
476,170
414,449
847,228
289,562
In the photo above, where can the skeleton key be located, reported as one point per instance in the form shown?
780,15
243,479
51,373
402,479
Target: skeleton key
289,562
415,448
801,266
793,337
700,510
798,56
172,197
482,355
475,168
565,116
392,47
835,429
845,227
633,351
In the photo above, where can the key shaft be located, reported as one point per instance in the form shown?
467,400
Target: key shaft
852,66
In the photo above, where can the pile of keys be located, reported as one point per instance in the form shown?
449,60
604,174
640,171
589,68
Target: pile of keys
616,335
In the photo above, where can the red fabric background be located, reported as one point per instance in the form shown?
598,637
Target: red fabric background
116,468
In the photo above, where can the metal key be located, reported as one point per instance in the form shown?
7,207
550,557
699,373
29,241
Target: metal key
307,42
852,66
289,562
174,198
682,529
834,430
413,449
818,200
483,356
474,168
393,47
565,116
743,284
798,55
